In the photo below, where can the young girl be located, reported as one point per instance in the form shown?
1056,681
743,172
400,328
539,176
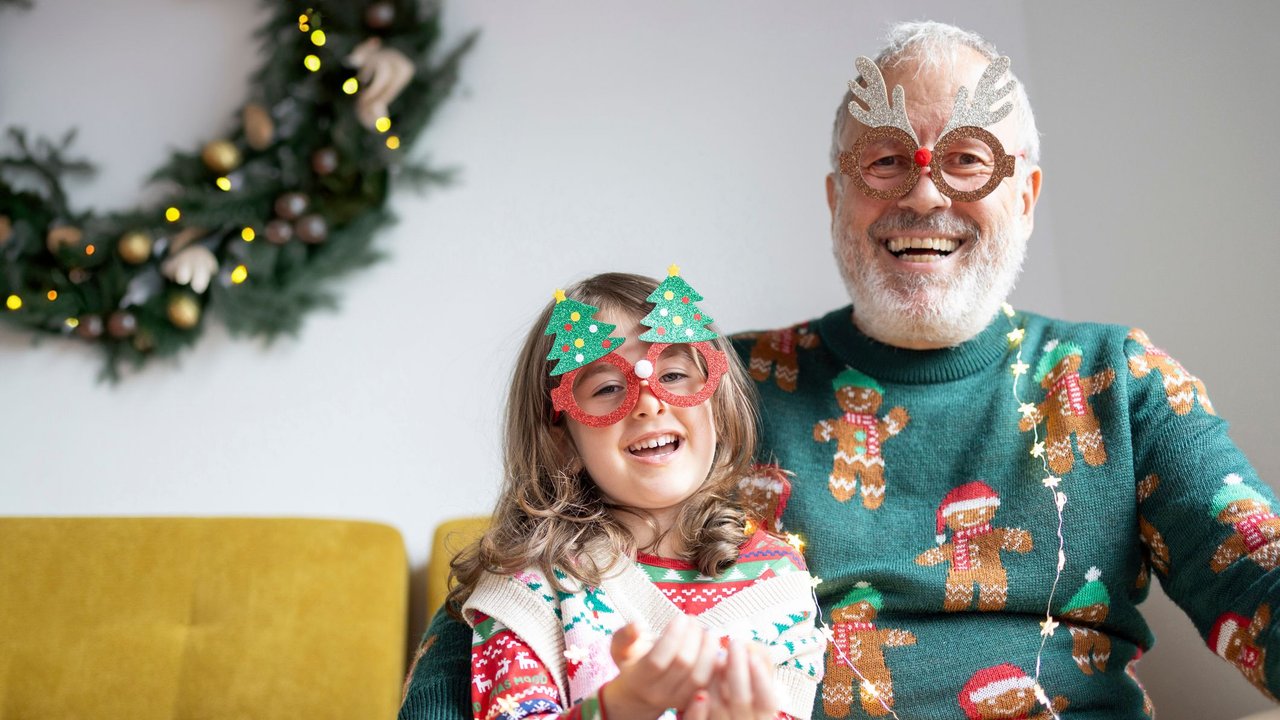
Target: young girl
618,573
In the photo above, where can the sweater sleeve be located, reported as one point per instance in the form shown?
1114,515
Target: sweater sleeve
436,688
509,681
1206,520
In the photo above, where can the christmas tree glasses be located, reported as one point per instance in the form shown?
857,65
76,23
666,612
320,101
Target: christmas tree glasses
603,392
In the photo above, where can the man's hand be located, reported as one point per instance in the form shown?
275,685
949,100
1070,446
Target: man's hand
654,676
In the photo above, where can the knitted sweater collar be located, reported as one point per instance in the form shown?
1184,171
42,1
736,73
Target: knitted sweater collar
893,364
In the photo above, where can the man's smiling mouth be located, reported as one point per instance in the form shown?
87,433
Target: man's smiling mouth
922,250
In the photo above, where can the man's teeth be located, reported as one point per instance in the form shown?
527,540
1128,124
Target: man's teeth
653,442
946,246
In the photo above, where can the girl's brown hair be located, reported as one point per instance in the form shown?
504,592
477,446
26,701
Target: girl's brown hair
550,514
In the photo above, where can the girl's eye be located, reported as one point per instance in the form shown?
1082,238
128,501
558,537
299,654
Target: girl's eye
607,390
672,376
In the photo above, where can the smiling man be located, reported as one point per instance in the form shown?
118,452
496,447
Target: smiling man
1040,471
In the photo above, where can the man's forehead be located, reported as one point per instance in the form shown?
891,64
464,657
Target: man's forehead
928,84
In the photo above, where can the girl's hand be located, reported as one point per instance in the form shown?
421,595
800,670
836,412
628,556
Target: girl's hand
743,688
654,676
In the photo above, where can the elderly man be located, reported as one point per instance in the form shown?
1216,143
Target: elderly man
985,492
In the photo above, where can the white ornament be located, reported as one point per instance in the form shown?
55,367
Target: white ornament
688,332
383,73
591,328
193,265
578,357
663,312
644,369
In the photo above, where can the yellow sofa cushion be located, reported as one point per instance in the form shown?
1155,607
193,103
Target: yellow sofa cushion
167,618
450,537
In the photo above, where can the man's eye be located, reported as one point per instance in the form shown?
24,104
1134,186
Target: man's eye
886,161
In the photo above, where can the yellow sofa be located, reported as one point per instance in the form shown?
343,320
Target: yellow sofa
194,618
450,538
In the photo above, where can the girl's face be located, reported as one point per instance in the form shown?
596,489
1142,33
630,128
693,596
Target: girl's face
657,455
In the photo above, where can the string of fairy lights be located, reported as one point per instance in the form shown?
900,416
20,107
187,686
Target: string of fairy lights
1052,484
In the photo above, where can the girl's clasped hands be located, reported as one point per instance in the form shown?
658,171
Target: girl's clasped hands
688,669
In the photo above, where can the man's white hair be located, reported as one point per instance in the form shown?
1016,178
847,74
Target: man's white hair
937,45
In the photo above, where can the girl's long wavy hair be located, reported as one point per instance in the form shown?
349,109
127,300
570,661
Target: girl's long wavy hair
550,514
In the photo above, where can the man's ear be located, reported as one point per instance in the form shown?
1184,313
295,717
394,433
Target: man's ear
831,194
1030,194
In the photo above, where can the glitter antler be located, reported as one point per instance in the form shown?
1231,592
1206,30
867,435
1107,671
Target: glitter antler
979,113
873,95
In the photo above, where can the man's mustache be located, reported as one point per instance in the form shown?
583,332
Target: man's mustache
932,225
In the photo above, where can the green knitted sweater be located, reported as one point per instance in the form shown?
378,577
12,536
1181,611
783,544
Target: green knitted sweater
927,487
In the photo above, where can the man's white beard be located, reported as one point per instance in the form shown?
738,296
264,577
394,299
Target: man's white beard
932,309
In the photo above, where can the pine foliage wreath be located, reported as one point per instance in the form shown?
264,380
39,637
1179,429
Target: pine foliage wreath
254,226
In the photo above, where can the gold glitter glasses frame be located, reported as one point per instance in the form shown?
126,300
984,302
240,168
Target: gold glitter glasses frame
1002,169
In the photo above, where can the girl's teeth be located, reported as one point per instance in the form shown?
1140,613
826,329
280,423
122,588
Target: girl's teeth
653,442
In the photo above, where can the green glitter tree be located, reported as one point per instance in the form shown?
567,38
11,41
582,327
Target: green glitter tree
675,316
580,338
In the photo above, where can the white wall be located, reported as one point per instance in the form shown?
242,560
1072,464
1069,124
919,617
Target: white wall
610,135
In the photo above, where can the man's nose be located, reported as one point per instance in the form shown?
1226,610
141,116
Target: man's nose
924,197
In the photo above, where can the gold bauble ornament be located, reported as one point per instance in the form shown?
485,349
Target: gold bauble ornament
63,236
220,156
259,129
134,247
6,229
183,311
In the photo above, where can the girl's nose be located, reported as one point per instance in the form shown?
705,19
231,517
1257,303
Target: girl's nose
648,403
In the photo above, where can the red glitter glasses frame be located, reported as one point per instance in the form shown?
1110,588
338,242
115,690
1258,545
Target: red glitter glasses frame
562,399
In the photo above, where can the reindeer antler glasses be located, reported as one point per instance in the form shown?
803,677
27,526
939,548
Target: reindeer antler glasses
967,162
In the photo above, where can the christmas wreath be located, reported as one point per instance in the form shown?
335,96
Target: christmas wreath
254,226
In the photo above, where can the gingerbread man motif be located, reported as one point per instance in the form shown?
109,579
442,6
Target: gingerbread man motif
764,493
775,351
856,655
1086,610
974,551
1005,692
1181,387
859,433
1235,639
1255,529
1156,551
1065,410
